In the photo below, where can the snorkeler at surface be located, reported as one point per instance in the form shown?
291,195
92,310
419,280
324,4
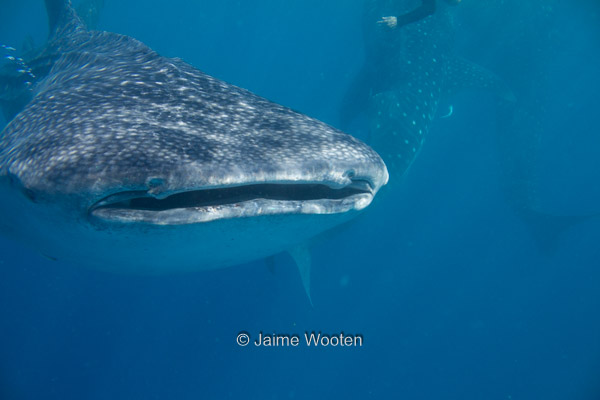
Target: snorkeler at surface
426,9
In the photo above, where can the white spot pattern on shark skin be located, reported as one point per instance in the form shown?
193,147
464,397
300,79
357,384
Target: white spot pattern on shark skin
411,73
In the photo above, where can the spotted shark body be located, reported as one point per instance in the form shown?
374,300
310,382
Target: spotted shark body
408,70
129,161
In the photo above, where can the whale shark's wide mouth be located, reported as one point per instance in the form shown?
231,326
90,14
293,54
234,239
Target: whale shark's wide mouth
209,204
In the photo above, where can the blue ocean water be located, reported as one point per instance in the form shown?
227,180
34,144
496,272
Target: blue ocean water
448,287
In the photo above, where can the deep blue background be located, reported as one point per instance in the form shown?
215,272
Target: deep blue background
451,293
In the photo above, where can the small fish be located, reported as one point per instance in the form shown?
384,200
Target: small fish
21,67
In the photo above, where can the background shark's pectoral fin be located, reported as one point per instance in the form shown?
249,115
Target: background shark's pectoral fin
464,74
301,255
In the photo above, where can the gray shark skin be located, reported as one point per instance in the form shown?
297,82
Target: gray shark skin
129,161
408,70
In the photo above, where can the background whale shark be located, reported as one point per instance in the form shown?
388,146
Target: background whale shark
522,127
411,71
125,160
407,72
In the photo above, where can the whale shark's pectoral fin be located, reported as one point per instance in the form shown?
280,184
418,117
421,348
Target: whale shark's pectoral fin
463,74
301,255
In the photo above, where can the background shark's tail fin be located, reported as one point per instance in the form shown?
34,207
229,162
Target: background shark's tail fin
518,140
547,228
62,18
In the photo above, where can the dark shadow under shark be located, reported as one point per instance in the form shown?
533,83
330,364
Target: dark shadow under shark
408,72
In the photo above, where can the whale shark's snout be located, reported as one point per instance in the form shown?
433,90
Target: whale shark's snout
344,175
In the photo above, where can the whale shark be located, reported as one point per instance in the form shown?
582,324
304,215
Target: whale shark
522,125
408,72
120,159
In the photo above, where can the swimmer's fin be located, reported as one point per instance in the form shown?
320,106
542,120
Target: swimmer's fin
301,255
464,74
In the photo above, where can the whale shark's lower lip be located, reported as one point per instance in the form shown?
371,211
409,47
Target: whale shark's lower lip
205,205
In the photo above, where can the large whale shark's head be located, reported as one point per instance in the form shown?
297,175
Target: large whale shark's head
129,160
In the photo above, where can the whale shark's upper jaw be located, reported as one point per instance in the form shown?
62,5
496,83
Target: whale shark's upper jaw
251,199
